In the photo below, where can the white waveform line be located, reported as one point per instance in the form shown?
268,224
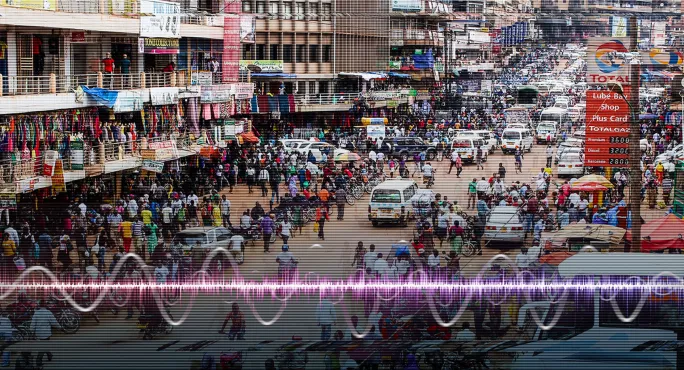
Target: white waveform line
322,287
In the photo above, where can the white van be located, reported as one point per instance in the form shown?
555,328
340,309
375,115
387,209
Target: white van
558,115
546,131
514,138
588,333
466,147
391,202
488,138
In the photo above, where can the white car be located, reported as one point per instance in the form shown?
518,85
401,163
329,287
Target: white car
292,144
568,149
571,164
208,238
504,225
317,149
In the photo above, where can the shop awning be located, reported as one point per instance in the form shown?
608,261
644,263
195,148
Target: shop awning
399,75
278,75
367,76
102,96
249,137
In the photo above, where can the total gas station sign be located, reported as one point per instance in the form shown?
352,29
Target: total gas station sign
607,133
607,60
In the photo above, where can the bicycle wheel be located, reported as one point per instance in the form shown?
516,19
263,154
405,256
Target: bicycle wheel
69,321
468,248
350,199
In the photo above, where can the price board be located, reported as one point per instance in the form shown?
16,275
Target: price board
607,134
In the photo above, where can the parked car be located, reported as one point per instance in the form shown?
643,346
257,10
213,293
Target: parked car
317,148
209,238
407,147
504,224
571,164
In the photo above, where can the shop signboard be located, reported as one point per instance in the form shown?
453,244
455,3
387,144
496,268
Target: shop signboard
407,5
161,151
395,64
164,95
618,26
26,185
31,4
58,183
152,166
607,118
161,19
76,156
215,94
128,101
262,66
158,46
606,62
231,48
8,201
243,90
201,78
49,159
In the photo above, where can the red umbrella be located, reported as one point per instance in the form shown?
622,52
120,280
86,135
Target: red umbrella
589,187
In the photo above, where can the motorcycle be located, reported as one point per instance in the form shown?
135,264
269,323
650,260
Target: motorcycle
429,181
151,329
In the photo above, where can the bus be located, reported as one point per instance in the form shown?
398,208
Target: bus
527,96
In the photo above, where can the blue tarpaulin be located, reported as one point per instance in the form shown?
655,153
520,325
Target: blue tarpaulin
425,61
283,104
398,75
255,104
102,96
281,75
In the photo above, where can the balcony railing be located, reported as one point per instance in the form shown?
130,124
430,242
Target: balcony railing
325,99
53,84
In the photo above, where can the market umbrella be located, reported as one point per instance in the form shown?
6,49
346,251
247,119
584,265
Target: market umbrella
593,179
347,157
663,233
589,186
249,137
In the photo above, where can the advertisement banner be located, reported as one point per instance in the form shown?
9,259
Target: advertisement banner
215,94
244,90
152,166
162,25
407,5
31,4
618,26
262,66
201,78
607,118
247,29
606,61
395,64
164,95
158,46
128,101
76,155
49,160
161,151
58,183
231,48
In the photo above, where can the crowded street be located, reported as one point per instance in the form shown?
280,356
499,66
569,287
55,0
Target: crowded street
287,190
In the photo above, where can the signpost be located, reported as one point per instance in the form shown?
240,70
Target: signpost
607,119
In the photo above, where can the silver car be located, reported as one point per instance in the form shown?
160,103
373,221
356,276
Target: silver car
504,224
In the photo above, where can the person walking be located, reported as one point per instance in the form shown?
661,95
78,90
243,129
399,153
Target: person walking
126,232
341,200
321,217
41,325
264,178
108,69
472,193
326,317
225,211
549,156
267,228
478,158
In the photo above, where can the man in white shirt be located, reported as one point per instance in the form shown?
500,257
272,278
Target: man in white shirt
434,260
245,221
373,157
522,259
235,247
381,267
326,317
369,258
41,325
263,181
193,198
381,159
132,208
167,217
225,211
482,187
161,272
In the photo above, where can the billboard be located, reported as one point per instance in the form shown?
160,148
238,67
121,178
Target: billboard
31,4
231,48
158,46
161,19
606,60
618,26
607,122
247,29
407,5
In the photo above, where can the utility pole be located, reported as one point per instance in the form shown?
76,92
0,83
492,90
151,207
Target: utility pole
634,138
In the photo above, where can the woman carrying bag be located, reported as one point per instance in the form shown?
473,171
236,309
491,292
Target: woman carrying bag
321,217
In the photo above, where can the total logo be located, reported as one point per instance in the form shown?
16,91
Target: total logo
606,58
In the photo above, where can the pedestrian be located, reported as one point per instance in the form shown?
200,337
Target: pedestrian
321,217
341,200
138,237
225,211
45,248
41,325
152,239
267,228
264,178
549,155
125,71
108,69
472,193
478,158
126,232
285,229
237,323
326,317
27,246
502,171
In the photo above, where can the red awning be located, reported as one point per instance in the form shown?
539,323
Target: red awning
664,233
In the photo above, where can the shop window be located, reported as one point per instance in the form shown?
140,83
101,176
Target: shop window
327,53
287,54
313,54
301,53
247,52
